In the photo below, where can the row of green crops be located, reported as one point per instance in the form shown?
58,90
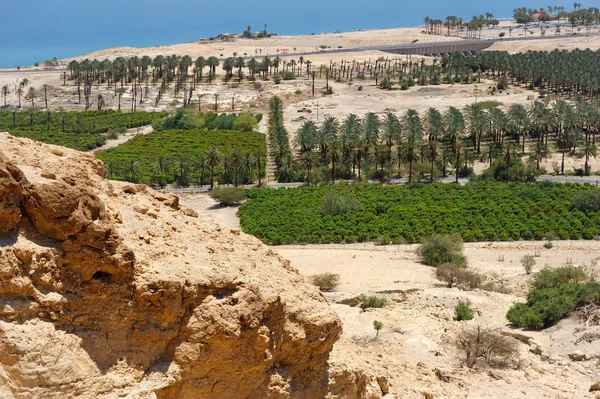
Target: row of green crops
185,149
79,130
477,212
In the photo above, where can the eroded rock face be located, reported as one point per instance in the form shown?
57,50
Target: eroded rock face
100,300
11,194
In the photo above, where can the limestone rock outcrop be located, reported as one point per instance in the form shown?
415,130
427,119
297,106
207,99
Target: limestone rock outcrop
98,300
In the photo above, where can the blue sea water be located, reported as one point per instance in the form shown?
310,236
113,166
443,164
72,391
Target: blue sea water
38,30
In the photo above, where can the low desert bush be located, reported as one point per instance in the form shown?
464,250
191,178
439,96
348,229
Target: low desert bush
377,325
461,277
528,261
463,311
228,196
442,248
326,281
489,346
373,302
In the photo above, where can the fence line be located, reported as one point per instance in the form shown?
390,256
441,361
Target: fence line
496,245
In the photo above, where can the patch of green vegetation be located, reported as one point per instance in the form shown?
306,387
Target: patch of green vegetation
373,302
227,196
463,311
191,119
484,211
182,156
554,294
78,130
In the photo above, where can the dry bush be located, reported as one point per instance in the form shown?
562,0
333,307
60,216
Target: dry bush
461,277
496,287
486,345
326,281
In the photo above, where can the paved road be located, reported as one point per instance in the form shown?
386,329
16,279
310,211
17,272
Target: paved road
557,179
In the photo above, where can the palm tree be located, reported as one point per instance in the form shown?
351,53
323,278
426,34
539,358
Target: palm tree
31,95
199,65
160,168
213,158
434,127
237,161
111,169
326,134
538,153
306,137
349,132
132,171
5,92
199,166
519,122
213,63
182,171
288,167
334,154
121,91
587,150
248,167
391,131
414,133
370,131
259,155
19,94
308,160
455,126
45,88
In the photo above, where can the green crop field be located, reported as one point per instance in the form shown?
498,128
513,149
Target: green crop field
476,211
182,149
78,130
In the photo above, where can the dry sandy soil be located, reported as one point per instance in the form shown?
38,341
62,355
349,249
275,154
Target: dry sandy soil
418,328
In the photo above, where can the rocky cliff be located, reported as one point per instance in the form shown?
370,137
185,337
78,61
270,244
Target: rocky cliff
108,289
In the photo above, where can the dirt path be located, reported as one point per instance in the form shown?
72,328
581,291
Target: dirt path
123,138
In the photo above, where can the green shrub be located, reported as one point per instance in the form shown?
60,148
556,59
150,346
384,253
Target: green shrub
377,325
554,294
442,248
548,245
463,311
373,302
528,261
554,278
227,196
245,123
335,203
587,201
326,281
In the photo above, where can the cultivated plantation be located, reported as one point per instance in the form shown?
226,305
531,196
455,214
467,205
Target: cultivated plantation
409,213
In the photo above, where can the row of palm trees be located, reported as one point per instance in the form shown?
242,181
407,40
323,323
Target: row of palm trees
559,71
236,168
452,22
433,140
179,68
